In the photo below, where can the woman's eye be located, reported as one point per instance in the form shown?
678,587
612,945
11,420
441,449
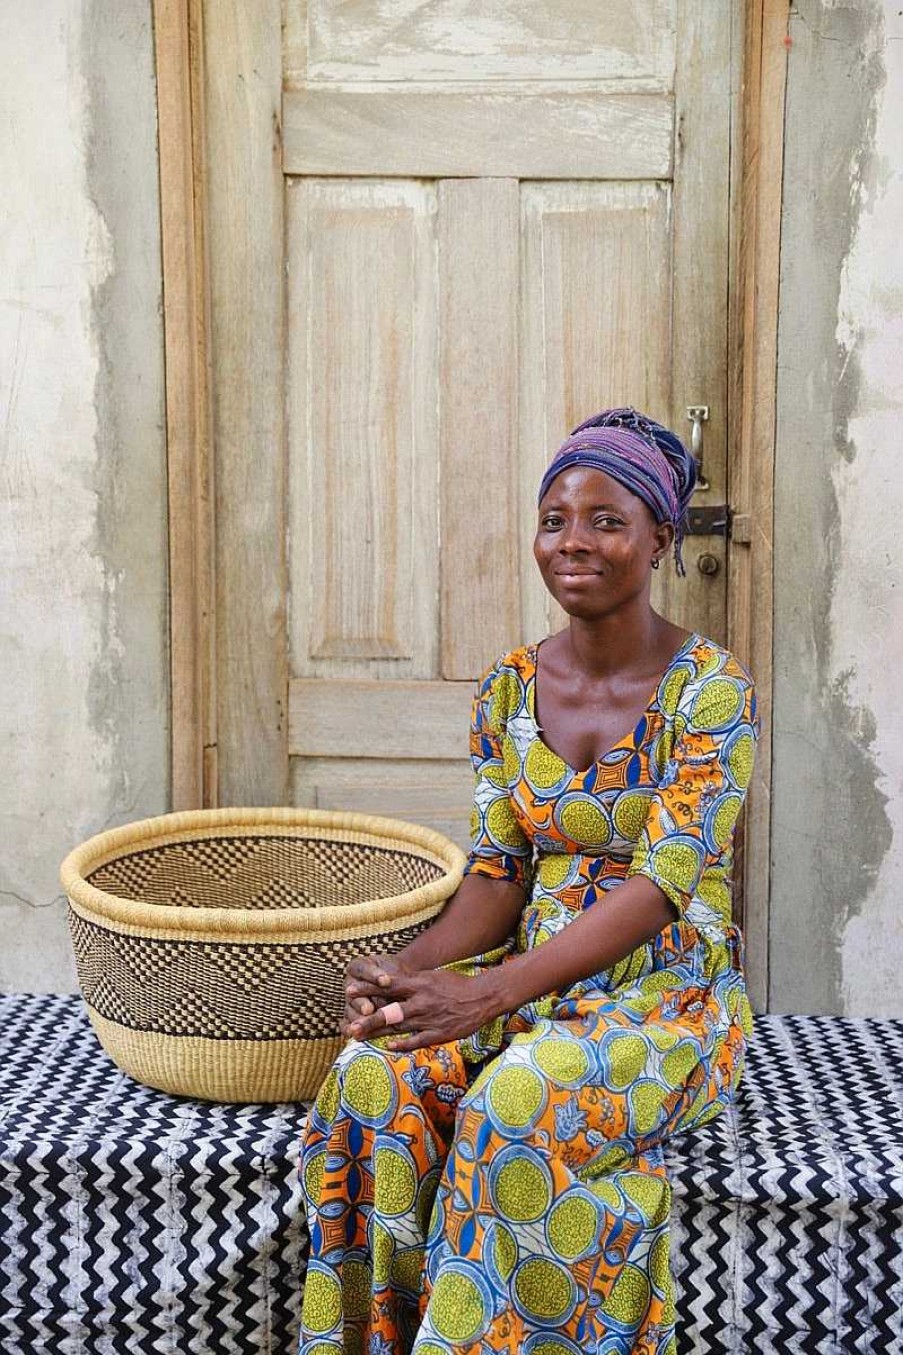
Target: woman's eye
551,523
606,521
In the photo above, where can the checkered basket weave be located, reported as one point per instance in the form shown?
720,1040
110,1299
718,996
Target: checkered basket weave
211,945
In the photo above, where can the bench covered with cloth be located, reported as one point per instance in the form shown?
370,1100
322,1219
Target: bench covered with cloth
132,1221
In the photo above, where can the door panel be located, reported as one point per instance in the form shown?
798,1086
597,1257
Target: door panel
479,221
622,40
551,135
382,720
362,437
432,792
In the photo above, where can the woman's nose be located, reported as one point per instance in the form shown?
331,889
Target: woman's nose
573,538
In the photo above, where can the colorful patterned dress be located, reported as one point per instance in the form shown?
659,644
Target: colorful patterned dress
508,1192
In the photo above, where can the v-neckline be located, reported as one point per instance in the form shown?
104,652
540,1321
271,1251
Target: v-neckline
629,738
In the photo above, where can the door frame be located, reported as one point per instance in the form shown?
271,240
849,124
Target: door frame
229,684
752,355
178,45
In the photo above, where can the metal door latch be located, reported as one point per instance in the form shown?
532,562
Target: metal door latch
711,520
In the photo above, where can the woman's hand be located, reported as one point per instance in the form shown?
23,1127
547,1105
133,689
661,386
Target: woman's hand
366,979
480,915
436,1006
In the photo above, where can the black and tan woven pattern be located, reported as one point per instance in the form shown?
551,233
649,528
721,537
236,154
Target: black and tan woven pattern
211,945
220,991
264,872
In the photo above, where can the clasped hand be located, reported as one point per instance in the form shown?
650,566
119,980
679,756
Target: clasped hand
437,1004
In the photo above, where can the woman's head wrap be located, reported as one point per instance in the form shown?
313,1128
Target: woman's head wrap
644,456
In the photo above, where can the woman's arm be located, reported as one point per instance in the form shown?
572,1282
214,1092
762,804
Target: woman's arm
442,1006
480,915
629,914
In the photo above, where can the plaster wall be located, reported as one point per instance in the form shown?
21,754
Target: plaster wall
84,714
836,919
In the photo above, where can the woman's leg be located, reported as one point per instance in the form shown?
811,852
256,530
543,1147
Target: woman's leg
373,1152
550,1232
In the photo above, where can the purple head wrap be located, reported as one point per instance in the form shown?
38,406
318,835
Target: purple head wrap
644,456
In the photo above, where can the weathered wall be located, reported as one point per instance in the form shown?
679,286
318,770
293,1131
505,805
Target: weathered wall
837,867
84,714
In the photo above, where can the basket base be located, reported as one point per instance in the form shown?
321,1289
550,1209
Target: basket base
248,1071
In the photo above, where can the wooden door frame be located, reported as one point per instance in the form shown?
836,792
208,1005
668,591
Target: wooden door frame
178,44
752,350
754,277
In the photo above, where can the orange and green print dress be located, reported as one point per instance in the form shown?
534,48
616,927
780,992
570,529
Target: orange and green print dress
508,1192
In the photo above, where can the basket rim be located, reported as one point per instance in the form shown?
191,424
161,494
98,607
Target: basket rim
246,923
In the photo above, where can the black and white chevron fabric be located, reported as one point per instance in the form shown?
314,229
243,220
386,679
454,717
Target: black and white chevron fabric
134,1223
788,1211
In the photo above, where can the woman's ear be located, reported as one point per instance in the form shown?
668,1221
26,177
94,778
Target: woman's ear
663,538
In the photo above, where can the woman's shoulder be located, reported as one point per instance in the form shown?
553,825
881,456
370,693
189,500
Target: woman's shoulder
504,684
710,657
520,662
706,674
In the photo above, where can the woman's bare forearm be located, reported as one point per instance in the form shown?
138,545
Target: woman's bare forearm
481,914
629,915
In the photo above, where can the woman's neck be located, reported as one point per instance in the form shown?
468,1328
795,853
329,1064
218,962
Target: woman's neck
611,644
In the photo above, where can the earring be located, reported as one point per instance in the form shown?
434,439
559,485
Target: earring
656,562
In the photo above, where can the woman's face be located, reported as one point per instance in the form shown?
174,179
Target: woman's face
595,542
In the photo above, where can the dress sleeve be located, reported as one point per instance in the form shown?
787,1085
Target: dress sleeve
692,813
500,848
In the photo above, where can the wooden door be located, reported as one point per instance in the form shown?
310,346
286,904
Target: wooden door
440,236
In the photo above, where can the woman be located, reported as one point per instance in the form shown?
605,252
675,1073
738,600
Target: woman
484,1165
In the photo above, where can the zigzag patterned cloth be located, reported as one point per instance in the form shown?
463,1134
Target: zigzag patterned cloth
134,1221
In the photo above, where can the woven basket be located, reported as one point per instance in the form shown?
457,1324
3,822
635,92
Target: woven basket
211,945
